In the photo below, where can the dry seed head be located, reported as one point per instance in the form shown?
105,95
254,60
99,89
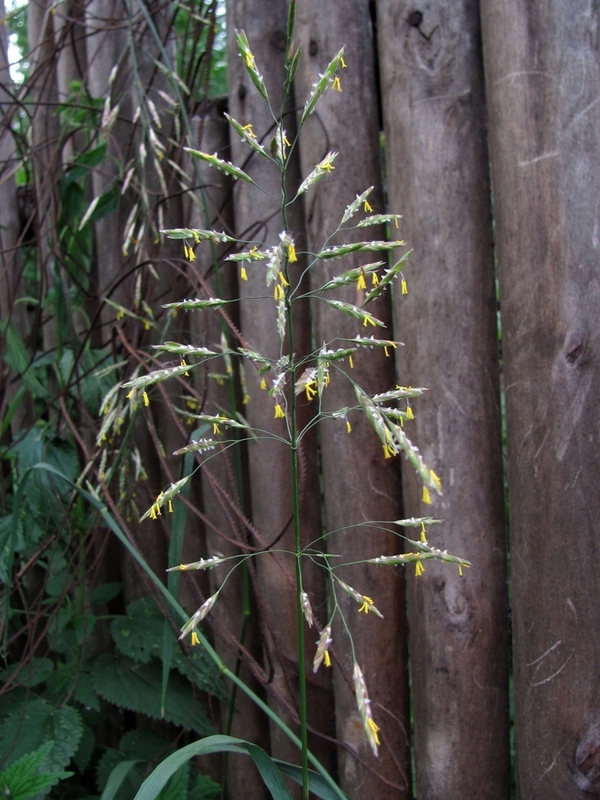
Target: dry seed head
364,708
322,647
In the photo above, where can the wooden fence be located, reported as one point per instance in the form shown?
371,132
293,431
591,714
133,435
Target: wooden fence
471,96
490,117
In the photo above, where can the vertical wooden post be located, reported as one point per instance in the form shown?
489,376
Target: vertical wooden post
11,267
543,80
359,484
437,170
107,46
45,151
215,211
258,219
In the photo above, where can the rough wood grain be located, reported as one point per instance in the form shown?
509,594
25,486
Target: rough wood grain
225,533
437,170
543,82
258,220
11,267
359,484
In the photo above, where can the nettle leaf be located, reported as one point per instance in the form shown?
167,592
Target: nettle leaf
138,687
105,592
205,789
25,778
142,744
34,672
125,777
135,635
26,729
140,636
84,753
38,507
176,787
120,772
84,690
18,358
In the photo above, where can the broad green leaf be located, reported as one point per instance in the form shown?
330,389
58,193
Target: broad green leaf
26,729
317,784
137,687
116,779
270,774
26,778
105,592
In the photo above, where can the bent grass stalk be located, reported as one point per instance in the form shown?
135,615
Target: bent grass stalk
386,412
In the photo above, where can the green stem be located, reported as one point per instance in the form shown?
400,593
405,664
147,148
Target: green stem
296,509
299,612
297,552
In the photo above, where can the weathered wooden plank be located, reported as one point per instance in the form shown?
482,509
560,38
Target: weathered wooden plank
543,82
225,533
106,47
437,168
258,219
11,267
359,484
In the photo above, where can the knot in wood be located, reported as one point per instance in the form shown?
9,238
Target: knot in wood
415,18
587,761
279,41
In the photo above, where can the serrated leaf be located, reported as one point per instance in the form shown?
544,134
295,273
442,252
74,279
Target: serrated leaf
85,749
118,778
205,789
144,744
144,616
27,729
17,357
176,787
33,673
84,690
25,779
137,687
105,592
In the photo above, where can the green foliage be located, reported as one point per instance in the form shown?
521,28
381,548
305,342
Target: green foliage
137,687
153,785
29,776
38,722
17,25
204,789
140,636
122,771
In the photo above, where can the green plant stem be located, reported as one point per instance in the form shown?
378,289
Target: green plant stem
297,550
296,511
299,612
